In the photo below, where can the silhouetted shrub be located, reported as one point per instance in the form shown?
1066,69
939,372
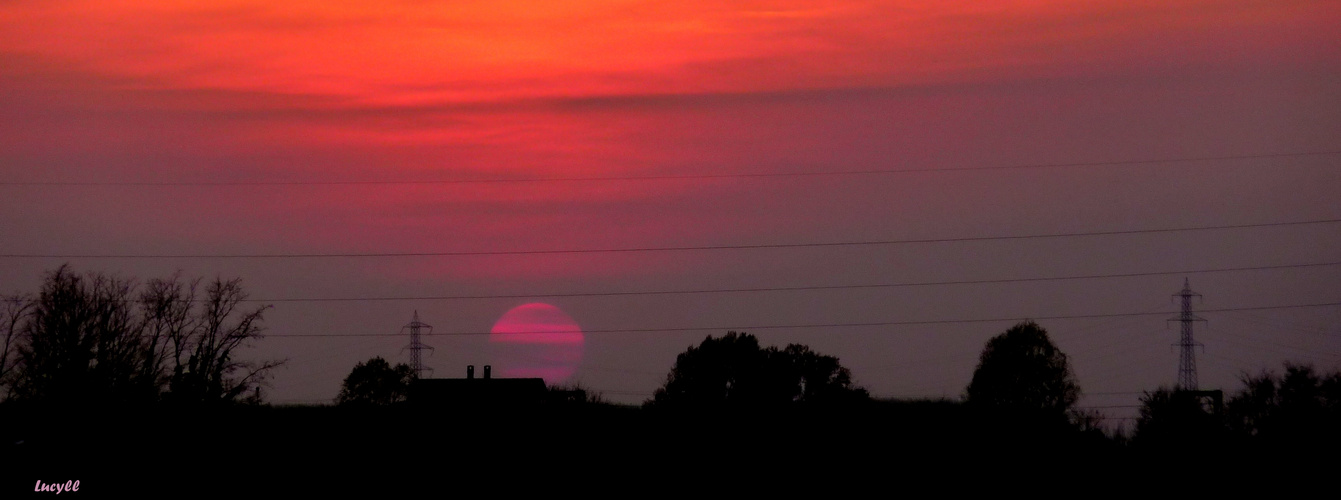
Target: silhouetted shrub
376,383
733,371
1023,376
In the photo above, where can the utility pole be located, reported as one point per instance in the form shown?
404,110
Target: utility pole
416,347
1187,364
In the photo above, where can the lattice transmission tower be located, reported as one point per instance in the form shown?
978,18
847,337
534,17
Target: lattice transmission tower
1187,364
417,347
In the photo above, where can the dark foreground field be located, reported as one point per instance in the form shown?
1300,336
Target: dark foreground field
270,452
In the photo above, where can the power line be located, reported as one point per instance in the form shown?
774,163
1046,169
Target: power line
828,325
793,288
755,175
671,249
1106,407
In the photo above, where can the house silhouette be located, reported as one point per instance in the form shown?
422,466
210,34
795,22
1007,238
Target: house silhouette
484,392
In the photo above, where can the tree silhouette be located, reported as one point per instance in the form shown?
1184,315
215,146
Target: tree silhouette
13,311
1174,417
1297,406
1022,373
92,339
734,371
818,378
1300,407
376,383
203,340
80,344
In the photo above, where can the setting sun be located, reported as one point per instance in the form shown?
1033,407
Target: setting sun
541,341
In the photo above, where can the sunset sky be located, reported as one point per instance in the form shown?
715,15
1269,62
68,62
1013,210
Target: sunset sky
226,137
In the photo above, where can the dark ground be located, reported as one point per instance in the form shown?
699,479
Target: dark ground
270,452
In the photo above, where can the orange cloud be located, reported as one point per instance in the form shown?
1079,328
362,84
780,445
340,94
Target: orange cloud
468,51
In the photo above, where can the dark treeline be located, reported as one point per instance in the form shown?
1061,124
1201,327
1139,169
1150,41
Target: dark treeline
102,376
1297,407
98,341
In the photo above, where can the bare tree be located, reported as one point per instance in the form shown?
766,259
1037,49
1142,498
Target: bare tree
205,369
12,313
169,321
99,339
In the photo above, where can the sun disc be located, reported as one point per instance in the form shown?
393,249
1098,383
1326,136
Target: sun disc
536,340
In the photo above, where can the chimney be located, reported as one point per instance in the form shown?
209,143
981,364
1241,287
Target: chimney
487,369
470,372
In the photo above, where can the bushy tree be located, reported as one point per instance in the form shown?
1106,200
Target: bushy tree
1174,417
1300,407
817,378
80,344
734,371
1022,373
376,383
1296,406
